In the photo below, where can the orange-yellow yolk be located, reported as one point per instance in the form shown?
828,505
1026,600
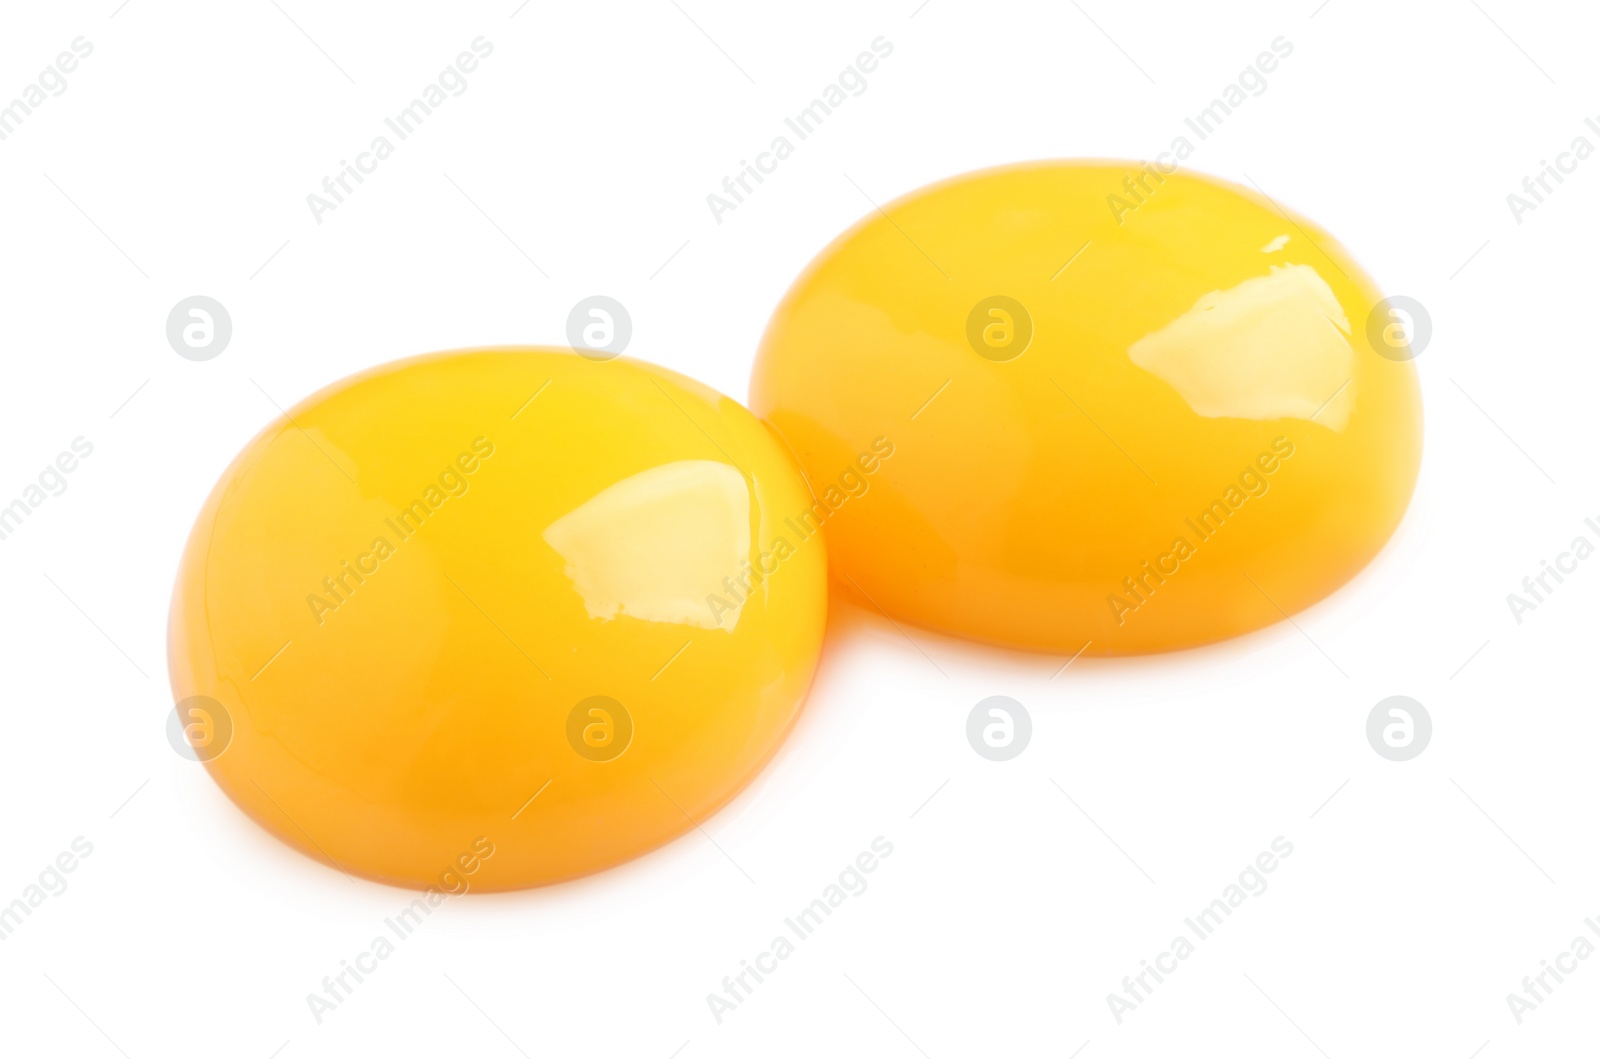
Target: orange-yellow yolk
499,618
1131,410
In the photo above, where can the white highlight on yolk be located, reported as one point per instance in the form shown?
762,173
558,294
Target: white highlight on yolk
1273,347
655,545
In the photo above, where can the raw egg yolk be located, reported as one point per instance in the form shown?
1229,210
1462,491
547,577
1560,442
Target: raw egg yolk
1131,409
498,618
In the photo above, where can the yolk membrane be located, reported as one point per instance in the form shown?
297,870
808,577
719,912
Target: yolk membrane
498,618
1117,430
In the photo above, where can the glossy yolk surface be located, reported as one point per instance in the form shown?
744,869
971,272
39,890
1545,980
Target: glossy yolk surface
1133,420
498,618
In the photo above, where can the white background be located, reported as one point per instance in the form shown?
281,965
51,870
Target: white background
1018,894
